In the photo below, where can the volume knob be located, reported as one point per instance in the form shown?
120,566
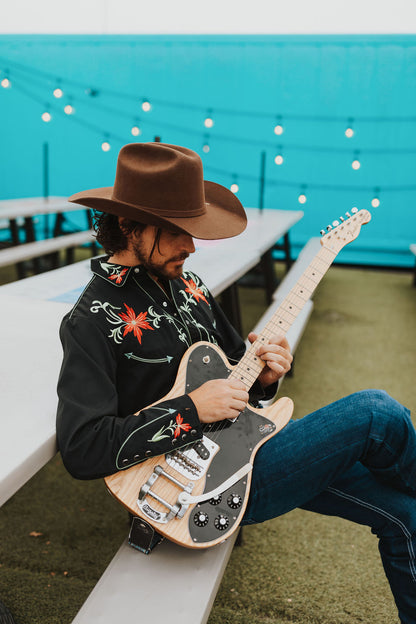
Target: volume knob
221,522
201,519
234,501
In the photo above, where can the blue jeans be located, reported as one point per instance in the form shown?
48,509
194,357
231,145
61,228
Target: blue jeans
356,459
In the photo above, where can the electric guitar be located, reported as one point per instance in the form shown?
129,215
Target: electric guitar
196,496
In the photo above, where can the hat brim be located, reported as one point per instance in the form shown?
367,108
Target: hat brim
224,216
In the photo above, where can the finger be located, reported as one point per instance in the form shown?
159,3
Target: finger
236,384
274,352
239,406
240,396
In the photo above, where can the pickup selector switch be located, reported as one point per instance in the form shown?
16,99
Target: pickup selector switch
234,501
201,518
221,522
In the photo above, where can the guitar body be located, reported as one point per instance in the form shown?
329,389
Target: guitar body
216,472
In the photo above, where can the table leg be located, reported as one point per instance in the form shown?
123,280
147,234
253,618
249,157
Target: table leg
270,279
285,246
231,306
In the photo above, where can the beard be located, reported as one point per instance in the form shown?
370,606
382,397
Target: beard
168,269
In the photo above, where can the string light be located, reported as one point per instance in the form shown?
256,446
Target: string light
58,93
279,158
5,83
375,202
356,163
69,109
105,145
302,199
349,132
46,117
278,129
136,131
146,106
234,188
208,121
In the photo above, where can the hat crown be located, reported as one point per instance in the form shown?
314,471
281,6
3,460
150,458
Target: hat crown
168,179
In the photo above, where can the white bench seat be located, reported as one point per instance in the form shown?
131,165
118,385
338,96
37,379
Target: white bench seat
172,584
27,251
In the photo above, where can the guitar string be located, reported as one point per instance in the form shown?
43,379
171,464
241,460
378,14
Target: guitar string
281,320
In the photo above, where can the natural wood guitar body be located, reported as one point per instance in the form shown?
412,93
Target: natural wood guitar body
125,485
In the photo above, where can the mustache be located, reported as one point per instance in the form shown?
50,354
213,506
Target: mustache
183,256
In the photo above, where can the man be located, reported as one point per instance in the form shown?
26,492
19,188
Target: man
126,335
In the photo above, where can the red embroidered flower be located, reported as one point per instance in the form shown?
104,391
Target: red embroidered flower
193,290
118,277
135,323
180,426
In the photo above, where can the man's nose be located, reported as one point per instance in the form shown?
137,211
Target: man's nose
189,244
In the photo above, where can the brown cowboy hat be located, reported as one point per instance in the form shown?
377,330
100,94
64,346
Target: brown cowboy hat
163,185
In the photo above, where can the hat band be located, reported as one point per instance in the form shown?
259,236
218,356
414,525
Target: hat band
184,211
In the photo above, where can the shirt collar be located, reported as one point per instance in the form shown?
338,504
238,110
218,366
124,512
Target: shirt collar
115,274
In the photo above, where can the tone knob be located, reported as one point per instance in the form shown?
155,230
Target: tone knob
234,501
215,500
201,518
221,522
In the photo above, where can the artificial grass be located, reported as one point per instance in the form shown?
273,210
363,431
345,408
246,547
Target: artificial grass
300,568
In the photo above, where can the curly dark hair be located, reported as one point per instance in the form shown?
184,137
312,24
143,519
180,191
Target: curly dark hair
110,235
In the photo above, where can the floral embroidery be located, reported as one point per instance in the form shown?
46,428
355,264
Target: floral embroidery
116,273
193,290
174,428
125,322
134,323
118,277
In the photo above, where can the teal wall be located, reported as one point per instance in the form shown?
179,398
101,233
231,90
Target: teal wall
315,83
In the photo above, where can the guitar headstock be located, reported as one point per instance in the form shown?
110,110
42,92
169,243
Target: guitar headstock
342,232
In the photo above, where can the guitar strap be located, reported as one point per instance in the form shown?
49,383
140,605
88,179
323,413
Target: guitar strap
143,536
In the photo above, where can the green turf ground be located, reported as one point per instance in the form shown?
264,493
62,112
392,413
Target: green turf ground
59,534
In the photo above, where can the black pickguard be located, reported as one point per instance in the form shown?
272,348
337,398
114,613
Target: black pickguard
236,440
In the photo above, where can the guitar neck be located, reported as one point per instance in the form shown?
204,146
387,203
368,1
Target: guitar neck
250,365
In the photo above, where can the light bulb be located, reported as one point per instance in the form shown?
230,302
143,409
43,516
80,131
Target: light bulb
205,148
105,146
278,129
234,187
279,159
146,106
46,117
375,202
135,131
58,93
209,122
302,199
69,109
5,83
349,133
356,164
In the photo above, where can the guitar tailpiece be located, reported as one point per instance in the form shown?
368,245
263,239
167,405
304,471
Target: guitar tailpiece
142,536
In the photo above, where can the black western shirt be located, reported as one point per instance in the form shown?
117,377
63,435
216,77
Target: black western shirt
123,342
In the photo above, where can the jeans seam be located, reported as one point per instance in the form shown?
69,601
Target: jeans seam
397,521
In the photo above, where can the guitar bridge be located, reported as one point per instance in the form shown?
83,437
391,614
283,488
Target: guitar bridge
175,510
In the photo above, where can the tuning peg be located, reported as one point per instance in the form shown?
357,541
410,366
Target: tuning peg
322,232
342,219
329,228
348,214
335,223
